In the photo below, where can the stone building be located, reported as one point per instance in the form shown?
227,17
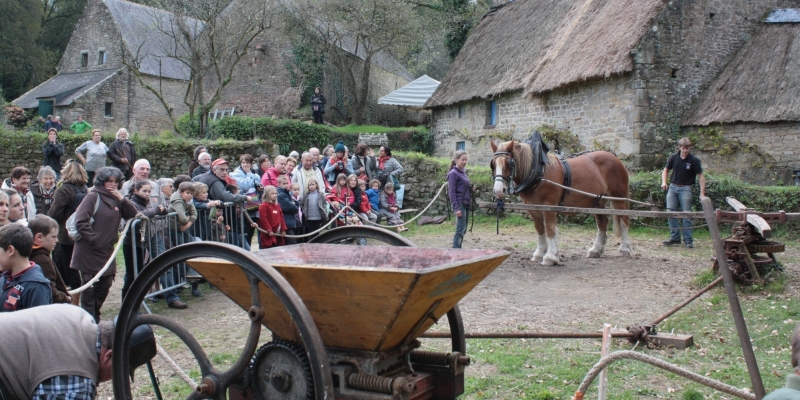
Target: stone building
620,75
93,80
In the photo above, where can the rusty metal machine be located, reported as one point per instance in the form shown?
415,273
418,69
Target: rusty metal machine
344,320
747,248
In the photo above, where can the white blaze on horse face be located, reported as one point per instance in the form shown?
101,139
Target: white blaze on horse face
499,184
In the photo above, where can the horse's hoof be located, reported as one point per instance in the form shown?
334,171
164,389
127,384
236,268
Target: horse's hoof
550,261
594,254
625,253
537,258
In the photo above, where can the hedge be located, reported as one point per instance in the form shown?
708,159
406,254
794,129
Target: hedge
291,134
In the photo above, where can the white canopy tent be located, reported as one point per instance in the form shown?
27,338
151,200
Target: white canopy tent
415,94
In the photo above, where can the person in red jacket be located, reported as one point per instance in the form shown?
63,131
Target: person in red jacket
270,219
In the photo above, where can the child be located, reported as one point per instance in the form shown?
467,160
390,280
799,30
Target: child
339,197
374,195
295,190
289,207
235,221
365,208
270,219
45,236
209,218
389,207
314,206
23,283
181,203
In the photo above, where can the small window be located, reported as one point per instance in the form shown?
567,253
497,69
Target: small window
108,110
101,57
461,146
461,111
84,59
491,113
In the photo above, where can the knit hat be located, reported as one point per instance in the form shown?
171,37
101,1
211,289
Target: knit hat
339,147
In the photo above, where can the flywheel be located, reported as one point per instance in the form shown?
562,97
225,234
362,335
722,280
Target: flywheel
280,371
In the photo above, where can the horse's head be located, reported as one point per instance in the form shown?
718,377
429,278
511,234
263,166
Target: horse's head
503,167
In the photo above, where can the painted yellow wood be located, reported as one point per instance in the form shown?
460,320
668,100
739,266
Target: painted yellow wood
361,297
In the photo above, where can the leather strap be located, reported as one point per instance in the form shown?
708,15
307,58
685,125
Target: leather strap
567,181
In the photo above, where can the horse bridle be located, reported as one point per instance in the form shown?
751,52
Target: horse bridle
511,164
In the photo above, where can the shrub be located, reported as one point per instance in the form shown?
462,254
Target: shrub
16,116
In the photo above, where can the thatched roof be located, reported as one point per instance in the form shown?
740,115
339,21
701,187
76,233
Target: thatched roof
541,45
64,88
760,84
143,32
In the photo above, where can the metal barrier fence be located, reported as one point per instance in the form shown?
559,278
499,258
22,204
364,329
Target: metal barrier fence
146,240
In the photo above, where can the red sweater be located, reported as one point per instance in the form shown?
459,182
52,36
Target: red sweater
270,218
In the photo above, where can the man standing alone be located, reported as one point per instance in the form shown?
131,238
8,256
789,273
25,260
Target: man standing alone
685,168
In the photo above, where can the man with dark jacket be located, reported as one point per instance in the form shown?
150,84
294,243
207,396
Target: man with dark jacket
123,153
216,182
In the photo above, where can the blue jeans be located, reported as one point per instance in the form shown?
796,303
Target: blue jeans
461,226
679,198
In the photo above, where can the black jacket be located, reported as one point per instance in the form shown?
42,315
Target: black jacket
52,155
319,101
115,154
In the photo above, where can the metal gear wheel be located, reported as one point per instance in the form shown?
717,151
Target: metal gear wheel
766,246
280,371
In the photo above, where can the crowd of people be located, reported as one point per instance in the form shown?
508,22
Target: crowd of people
275,198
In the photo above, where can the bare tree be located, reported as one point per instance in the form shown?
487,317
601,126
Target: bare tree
352,34
201,40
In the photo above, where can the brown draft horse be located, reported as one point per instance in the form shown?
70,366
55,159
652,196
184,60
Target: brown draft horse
599,172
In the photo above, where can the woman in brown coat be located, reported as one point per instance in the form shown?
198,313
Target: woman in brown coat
96,245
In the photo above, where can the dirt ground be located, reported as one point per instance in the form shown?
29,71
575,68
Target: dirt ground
578,296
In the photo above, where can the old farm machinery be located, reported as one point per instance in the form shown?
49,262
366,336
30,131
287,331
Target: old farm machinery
344,323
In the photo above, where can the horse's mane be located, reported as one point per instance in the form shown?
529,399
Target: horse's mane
524,159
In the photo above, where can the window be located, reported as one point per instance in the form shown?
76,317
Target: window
108,110
461,146
101,57
461,111
491,113
84,59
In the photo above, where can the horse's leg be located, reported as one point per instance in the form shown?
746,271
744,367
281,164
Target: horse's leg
551,257
541,246
600,241
621,223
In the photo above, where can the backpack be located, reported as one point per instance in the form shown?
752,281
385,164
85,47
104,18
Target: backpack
72,227
80,193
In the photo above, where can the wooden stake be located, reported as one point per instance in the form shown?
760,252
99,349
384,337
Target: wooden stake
605,348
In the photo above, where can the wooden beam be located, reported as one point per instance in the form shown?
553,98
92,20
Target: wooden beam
757,222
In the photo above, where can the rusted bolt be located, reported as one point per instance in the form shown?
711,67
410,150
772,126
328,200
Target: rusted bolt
256,314
281,381
206,388
463,360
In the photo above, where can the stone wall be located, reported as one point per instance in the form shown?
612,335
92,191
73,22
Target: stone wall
600,113
687,47
146,112
94,31
778,147
261,76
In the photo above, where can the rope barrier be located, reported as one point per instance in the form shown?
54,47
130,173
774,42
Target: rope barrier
356,213
112,258
632,355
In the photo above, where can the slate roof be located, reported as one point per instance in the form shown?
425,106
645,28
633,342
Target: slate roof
143,31
65,88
